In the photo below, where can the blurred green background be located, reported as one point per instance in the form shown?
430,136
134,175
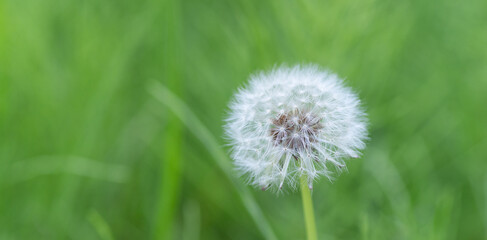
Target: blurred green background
93,145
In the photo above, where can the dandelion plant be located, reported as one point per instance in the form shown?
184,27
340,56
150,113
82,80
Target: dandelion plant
289,126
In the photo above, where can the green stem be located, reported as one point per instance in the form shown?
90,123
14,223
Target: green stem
309,217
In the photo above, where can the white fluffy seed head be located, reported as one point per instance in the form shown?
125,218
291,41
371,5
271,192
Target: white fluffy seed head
291,122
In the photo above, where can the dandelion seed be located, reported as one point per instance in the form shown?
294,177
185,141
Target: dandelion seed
294,122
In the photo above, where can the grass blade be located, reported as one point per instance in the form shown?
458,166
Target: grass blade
196,127
100,225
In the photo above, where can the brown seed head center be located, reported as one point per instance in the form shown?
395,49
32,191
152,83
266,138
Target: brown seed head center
295,130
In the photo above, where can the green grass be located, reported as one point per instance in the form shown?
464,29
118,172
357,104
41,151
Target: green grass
92,148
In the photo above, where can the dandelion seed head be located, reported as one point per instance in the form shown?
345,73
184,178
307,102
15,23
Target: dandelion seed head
294,121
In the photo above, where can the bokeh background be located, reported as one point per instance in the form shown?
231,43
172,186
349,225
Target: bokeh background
111,117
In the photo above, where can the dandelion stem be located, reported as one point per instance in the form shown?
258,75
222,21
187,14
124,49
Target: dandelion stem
309,217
